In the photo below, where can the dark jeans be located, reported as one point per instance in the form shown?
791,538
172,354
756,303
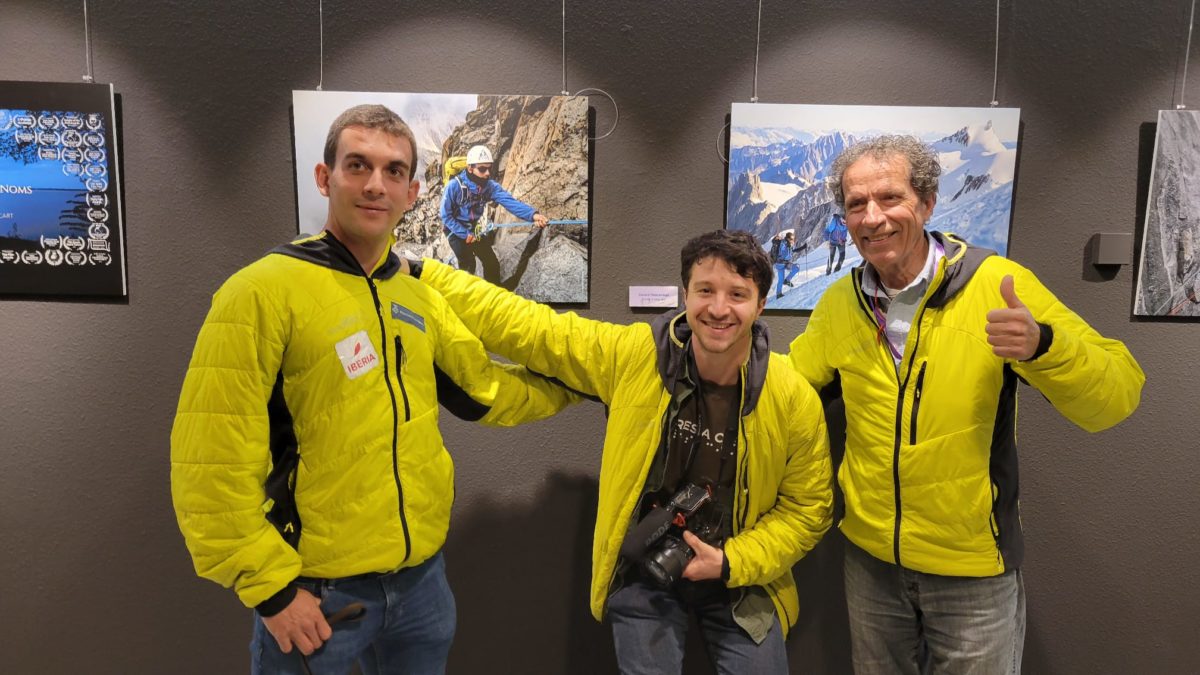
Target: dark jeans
840,251
407,628
480,249
650,626
905,622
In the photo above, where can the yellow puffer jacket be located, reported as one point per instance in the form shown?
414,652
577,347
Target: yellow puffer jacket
783,481
930,471
363,363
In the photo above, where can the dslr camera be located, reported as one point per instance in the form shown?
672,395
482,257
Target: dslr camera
657,541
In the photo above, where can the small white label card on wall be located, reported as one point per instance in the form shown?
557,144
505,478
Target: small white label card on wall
664,297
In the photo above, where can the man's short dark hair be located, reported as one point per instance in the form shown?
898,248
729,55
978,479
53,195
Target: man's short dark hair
737,248
370,116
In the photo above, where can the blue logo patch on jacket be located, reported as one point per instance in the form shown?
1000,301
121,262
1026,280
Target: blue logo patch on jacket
408,316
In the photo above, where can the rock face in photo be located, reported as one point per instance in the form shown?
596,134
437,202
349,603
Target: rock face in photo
1167,276
540,146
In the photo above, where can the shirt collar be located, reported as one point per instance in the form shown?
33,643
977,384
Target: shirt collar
870,279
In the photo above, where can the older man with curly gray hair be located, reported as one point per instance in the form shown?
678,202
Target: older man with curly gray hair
928,340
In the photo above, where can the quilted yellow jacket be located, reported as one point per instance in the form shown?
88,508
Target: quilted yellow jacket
302,345
783,481
930,470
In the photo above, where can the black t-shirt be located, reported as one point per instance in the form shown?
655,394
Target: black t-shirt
702,445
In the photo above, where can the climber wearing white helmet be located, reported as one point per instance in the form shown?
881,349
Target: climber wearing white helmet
463,202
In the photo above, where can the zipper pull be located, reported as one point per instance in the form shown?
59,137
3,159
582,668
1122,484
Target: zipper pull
401,357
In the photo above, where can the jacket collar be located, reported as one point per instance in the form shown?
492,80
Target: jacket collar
325,250
470,185
672,338
962,261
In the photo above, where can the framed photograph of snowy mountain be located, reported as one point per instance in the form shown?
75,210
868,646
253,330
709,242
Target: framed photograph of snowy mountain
779,159
1170,261
504,183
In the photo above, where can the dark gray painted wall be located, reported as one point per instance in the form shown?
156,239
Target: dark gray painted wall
96,576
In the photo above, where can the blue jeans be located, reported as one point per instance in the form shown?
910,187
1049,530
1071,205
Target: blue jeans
650,626
913,623
782,269
407,627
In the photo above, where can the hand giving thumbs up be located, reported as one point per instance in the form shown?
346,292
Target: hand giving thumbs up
1012,331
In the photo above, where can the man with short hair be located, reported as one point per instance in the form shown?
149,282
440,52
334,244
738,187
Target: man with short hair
463,201
708,431
927,342
307,469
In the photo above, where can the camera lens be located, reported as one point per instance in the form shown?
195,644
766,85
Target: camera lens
665,564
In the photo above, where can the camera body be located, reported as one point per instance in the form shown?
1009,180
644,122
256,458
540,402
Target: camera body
657,541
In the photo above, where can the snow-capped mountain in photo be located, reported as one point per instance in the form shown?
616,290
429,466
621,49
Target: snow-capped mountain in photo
975,190
760,137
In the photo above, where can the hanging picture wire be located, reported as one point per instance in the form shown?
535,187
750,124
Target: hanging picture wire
757,45
87,45
564,47
996,60
321,43
754,91
616,112
720,137
1186,53
567,92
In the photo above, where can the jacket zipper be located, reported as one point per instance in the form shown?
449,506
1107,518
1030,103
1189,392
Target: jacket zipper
857,276
395,417
400,359
743,457
912,422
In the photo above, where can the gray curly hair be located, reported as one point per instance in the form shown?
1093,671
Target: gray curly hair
922,162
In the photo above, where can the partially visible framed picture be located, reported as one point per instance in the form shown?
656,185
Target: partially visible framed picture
61,229
1170,261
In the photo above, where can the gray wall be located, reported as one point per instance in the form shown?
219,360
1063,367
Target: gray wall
96,577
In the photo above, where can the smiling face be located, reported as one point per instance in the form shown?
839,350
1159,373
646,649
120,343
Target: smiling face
721,308
368,186
886,217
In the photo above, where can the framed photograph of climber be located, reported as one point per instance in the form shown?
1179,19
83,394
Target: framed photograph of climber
780,156
504,183
1170,248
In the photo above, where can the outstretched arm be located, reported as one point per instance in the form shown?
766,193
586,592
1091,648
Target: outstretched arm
474,387
513,205
586,355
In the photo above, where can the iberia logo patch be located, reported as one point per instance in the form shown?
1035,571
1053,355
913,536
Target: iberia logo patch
357,355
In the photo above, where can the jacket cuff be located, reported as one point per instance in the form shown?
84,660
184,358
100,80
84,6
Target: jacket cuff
1044,342
278,602
725,568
